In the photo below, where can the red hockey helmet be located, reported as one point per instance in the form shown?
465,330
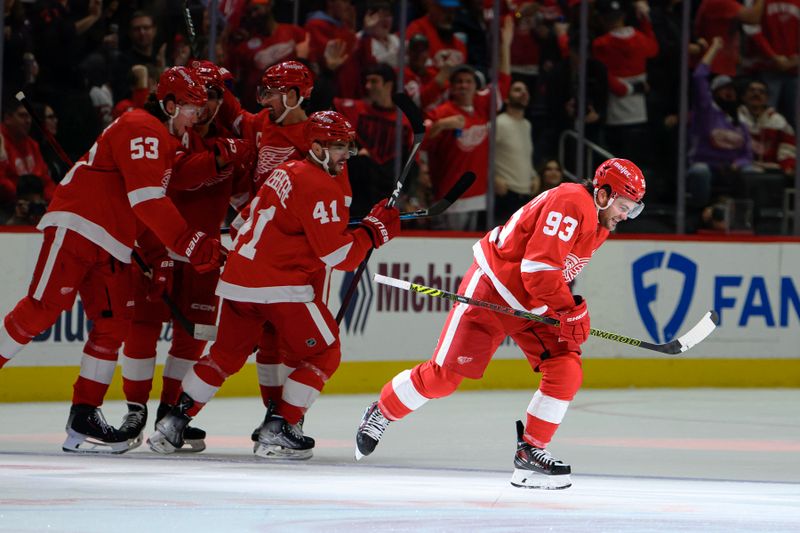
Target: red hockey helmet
183,85
624,179
329,126
210,74
288,75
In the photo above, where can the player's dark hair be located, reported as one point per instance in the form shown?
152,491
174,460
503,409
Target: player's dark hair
154,108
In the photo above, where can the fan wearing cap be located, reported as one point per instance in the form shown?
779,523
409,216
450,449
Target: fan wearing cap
89,233
720,144
424,83
526,264
298,229
458,138
445,48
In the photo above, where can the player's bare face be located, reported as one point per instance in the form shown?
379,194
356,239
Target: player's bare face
616,212
188,115
210,109
272,100
340,152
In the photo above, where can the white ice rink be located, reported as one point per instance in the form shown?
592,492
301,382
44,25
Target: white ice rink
642,460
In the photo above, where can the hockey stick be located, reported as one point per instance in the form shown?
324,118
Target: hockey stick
437,208
198,331
201,332
414,116
187,18
698,333
464,182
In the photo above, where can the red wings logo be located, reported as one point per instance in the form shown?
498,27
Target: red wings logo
270,157
573,266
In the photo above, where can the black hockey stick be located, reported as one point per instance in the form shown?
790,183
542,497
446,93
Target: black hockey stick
699,332
414,116
187,18
198,331
464,182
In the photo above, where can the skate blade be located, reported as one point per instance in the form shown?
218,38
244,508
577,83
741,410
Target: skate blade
192,446
527,479
80,443
136,441
159,444
274,451
359,455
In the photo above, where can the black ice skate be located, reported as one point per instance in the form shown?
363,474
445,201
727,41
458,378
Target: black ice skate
169,435
535,468
278,439
370,430
267,418
193,438
133,424
88,432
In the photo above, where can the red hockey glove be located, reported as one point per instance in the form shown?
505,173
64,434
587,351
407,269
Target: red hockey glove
161,280
575,323
238,152
203,252
382,223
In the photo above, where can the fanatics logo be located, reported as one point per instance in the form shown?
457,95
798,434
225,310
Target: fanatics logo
67,290
311,342
463,359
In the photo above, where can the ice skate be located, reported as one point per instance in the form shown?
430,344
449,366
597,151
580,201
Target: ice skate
267,417
133,424
278,439
370,430
88,432
193,438
169,435
535,468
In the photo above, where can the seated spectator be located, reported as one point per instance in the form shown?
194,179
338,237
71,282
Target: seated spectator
22,151
772,137
437,26
55,165
515,179
371,172
551,174
720,144
424,83
31,204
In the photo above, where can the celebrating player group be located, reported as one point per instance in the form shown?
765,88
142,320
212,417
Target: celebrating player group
156,187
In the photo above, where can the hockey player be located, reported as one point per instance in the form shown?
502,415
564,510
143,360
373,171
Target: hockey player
298,227
89,232
526,264
203,182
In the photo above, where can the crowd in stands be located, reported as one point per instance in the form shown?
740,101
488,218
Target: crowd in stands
85,62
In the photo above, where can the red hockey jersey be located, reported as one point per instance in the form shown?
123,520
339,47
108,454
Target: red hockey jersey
121,179
543,246
298,228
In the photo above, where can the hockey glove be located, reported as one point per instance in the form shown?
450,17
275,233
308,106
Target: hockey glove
575,323
237,152
161,280
382,223
203,252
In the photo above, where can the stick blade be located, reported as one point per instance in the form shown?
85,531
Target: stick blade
204,332
411,111
697,334
392,282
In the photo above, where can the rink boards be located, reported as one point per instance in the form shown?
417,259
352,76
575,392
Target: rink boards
653,289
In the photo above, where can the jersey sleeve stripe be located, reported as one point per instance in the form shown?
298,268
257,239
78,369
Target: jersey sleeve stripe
535,266
144,194
337,256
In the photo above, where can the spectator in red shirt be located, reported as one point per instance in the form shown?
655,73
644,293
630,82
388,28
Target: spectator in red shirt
334,46
424,83
624,50
458,139
777,38
377,38
723,18
437,26
773,140
22,152
259,43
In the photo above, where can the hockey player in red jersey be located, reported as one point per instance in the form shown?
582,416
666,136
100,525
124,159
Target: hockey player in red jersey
526,264
203,181
298,228
89,233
